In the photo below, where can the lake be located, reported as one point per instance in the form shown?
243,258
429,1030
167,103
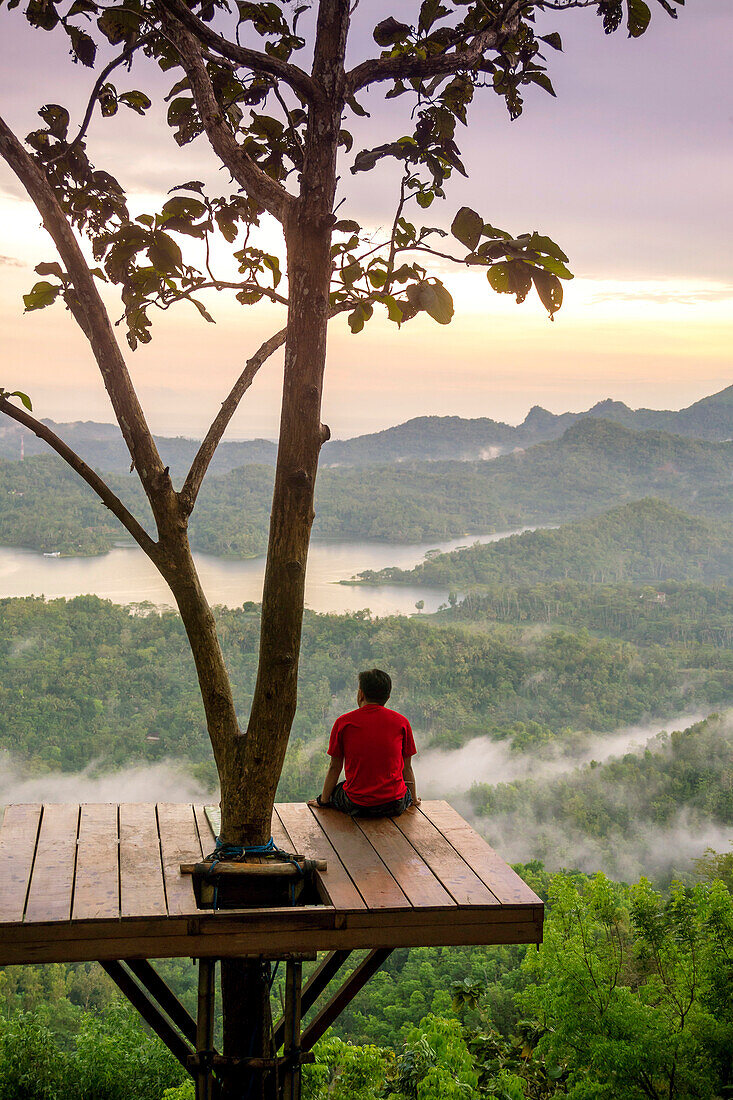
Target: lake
126,576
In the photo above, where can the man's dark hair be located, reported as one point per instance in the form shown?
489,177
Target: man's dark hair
376,685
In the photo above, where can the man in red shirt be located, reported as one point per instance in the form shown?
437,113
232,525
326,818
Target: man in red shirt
375,746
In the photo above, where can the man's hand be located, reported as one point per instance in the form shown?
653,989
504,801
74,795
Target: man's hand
414,805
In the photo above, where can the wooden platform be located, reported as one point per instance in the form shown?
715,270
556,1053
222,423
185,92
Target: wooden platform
103,882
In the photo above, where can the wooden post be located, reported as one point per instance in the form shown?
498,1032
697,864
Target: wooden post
205,1030
291,1049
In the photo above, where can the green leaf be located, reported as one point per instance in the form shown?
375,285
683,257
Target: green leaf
553,40
24,399
351,272
183,206
49,269
498,277
394,310
549,289
424,199
192,185
83,47
203,311
543,80
440,304
137,101
549,263
467,227
56,118
347,227
164,253
637,18
43,294
361,314
539,243
389,32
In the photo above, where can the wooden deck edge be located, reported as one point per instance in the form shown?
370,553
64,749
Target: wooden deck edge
220,935
239,944
252,921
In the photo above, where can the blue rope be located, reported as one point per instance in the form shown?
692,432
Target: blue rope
224,853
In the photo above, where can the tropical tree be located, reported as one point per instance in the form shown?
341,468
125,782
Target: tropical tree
279,127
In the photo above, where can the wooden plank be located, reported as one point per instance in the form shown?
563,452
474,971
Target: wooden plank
18,837
179,843
310,840
206,833
97,883
52,881
406,866
281,836
488,865
460,881
372,879
142,893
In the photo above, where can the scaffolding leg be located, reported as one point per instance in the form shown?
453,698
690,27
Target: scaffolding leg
291,1048
205,1030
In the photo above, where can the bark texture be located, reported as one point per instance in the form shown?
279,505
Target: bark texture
249,784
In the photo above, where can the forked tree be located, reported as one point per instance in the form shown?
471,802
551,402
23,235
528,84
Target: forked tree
269,85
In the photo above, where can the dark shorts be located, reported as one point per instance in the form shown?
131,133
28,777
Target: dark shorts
341,801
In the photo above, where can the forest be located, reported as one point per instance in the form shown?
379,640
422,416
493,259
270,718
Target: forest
595,465
643,542
552,647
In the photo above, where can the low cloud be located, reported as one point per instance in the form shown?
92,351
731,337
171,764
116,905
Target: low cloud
167,781
644,849
444,773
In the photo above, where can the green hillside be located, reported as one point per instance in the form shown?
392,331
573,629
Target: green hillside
596,464
644,542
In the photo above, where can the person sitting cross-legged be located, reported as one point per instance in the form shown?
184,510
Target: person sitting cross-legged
374,746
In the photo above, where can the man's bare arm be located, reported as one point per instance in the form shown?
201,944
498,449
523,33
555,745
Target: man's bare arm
409,777
332,777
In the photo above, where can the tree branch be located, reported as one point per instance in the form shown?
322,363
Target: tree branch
271,195
444,64
259,62
97,327
205,453
103,491
100,81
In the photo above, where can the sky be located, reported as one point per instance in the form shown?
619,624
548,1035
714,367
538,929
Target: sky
629,169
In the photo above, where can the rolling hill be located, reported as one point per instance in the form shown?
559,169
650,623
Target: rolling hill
424,438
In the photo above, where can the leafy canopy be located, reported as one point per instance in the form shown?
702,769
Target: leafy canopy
245,68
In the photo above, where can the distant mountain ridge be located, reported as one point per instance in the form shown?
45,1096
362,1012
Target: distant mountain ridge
424,438
595,465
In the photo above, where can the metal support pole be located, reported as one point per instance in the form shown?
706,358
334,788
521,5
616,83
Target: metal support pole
291,1049
205,1031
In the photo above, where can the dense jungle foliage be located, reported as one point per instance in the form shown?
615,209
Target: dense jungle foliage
595,465
630,997
86,681
643,542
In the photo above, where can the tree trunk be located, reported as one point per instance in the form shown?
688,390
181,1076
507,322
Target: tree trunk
248,788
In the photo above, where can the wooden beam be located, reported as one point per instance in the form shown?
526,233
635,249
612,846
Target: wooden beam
205,1030
313,988
291,1046
344,996
151,1014
166,998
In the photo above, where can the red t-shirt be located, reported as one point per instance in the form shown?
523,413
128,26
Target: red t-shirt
374,743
